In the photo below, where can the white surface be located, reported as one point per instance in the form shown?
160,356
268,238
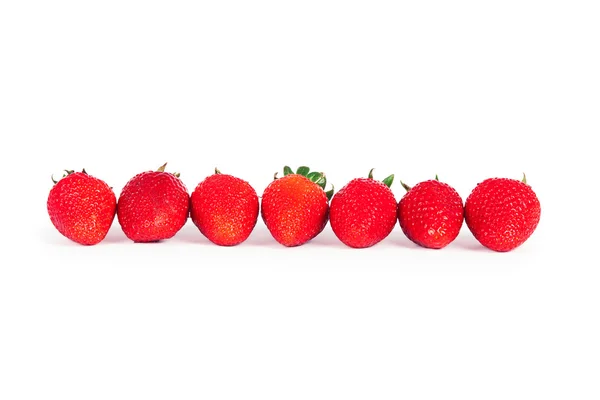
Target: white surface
466,89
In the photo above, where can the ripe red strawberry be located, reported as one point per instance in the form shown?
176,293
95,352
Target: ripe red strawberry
153,205
295,208
502,213
224,208
82,207
363,212
431,214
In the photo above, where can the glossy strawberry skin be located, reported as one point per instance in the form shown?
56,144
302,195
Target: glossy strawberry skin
225,209
82,208
502,213
431,214
294,209
363,213
153,206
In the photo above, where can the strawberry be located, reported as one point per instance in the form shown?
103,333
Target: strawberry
224,208
153,205
295,208
430,213
81,207
363,212
502,213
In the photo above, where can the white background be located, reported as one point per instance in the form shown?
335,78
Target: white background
464,89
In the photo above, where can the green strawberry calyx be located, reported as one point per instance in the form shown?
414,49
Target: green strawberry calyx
67,172
162,169
387,181
524,180
407,188
317,177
